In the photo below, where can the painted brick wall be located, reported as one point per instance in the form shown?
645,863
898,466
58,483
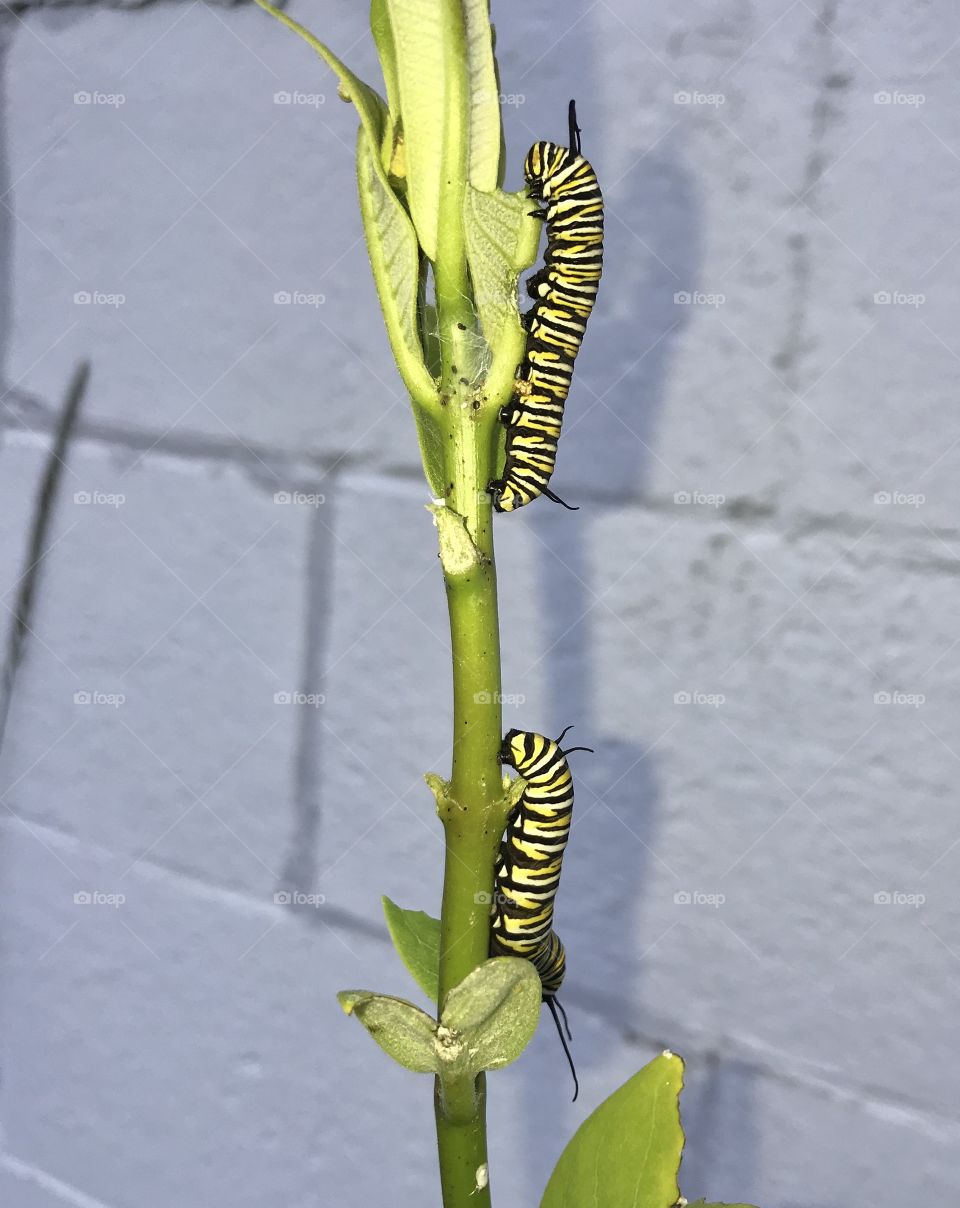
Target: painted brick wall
753,618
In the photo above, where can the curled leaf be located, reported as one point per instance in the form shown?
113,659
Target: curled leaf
402,1030
494,1012
502,240
394,258
484,126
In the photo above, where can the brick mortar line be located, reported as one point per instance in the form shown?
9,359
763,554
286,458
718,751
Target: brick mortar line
656,1033
772,1064
291,469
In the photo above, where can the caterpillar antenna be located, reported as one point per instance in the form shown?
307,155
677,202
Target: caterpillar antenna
570,749
563,1016
563,734
556,499
574,128
552,1004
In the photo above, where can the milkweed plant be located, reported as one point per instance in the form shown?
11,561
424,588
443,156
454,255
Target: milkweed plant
447,247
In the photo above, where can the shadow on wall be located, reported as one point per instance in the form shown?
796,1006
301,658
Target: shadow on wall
615,818
652,249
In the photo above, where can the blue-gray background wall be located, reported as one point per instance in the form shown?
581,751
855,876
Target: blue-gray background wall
753,618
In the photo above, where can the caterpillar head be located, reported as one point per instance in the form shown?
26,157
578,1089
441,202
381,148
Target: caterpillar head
512,751
543,160
506,498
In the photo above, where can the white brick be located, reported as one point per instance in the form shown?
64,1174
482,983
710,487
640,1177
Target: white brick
190,1025
187,599
876,377
768,1142
799,955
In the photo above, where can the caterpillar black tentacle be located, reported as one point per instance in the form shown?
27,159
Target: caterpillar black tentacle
554,1005
529,865
563,292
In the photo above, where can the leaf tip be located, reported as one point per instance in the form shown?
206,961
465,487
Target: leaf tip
346,998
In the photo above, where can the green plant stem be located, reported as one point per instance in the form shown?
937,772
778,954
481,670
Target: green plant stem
472,812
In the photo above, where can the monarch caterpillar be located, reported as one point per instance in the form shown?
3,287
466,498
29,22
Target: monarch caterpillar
563,292
529,863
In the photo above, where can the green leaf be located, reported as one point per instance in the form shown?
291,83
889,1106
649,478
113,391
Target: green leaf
423,43
416,937
484,125
502,240
383,38
628,1150
391,243
391,146
394,259
493,1012
370,105
402,1030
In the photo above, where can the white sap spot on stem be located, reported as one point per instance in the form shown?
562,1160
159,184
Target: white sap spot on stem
483,1177
449,1044
458,553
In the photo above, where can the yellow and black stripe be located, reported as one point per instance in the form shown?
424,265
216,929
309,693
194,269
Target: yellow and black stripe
563,292
530,861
